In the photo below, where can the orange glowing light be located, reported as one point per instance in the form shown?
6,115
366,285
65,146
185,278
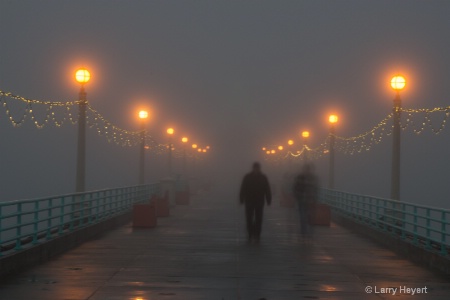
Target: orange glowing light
184,139
268,152
82,76
280,148
170,131
194,146
263,148
333,119
199,150
305,134
290,142
207,147
143,114
204,150
273,151
398,83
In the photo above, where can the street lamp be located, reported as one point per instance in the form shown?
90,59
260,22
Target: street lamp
82,76
397,83
184,140
333,119
170,132
305,135
280,148
143,115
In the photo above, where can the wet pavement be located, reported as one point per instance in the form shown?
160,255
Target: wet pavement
201,252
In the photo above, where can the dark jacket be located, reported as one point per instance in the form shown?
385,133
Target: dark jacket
306,188
255,188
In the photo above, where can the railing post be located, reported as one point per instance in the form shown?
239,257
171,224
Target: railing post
61,216
36,222
19,227
428,244
415,239
49,219
1,231
443,234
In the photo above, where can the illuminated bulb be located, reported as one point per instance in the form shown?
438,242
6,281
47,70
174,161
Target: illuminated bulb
82,76
143,114
184,139
398,83
280,148
305,134
333,119
290,142
194,146
170,131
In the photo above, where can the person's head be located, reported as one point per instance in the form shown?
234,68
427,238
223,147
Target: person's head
256,167
308,168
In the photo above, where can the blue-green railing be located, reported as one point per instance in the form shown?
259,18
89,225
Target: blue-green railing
34,221
418,224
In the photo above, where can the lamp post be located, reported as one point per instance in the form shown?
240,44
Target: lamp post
305,135
184,140
143,115
290,143
170,132
333,120
194,158
397,83
82,76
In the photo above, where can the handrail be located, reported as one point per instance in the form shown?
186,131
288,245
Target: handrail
35,220
420,225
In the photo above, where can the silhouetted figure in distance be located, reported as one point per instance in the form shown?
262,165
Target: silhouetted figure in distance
255,189
306,192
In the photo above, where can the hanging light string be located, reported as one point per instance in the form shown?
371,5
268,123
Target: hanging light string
416,120
59,113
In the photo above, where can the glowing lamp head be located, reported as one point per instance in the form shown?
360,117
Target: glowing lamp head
263,148
305,134
204,150
273,151
280,148
199,150
82,76
333,119
143,114
268,152
290,142
170,131
184,139
194,146
398,83
208,147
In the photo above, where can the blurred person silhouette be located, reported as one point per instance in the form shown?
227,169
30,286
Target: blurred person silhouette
255,189
305,190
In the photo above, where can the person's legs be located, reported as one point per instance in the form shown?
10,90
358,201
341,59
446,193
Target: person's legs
249,212
259,209
303,219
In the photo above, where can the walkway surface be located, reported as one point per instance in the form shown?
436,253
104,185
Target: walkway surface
201,252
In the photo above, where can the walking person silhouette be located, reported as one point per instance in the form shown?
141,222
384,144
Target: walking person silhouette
255,189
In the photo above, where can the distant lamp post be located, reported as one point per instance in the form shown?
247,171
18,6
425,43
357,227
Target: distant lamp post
82,76
170,132
143,115
332,119
305,135
290,143
280,148
184,140
397,83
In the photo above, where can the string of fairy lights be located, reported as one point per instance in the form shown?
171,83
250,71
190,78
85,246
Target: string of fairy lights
19,110
414,120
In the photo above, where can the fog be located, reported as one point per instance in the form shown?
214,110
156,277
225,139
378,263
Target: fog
233,75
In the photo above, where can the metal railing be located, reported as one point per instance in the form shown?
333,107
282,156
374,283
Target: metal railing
37,220
418,224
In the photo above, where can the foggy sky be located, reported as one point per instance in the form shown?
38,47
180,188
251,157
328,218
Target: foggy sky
231,74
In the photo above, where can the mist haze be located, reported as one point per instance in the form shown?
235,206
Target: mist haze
233,75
